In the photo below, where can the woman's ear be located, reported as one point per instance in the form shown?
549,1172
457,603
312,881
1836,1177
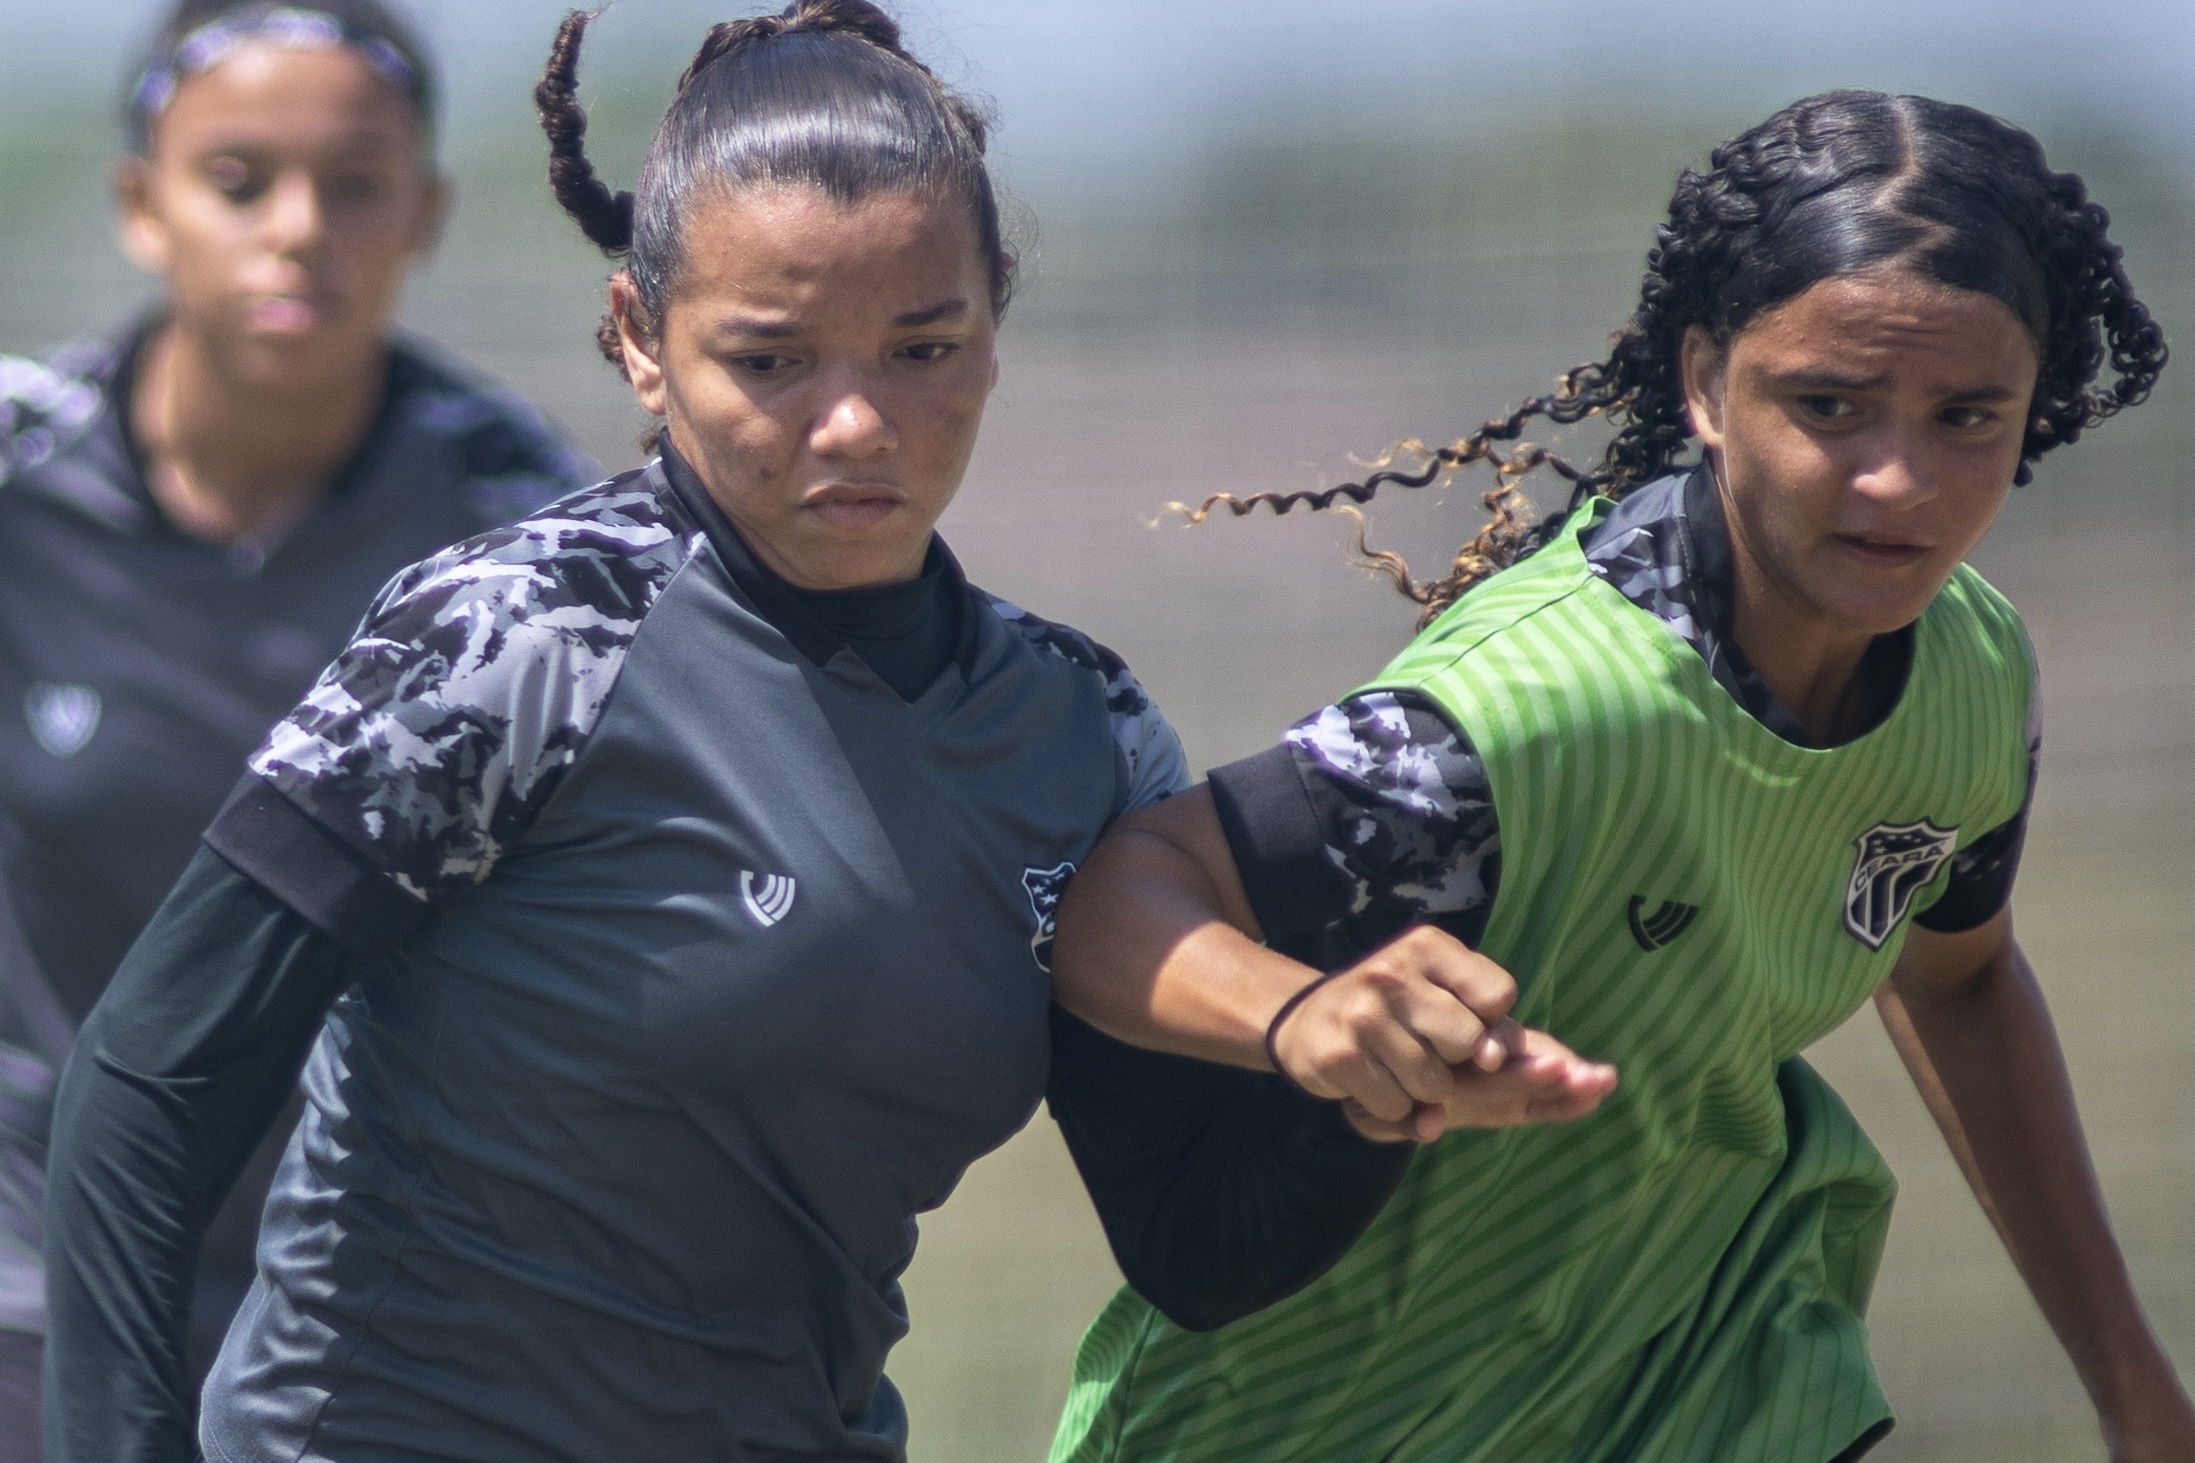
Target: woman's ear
434,214
139,228
1700,365
640,342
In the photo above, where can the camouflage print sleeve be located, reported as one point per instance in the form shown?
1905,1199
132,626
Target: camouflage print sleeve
450,719
1153,765
1371,815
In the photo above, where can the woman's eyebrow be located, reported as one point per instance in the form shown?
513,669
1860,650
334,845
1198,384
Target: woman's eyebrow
1821,380
931,314
759,328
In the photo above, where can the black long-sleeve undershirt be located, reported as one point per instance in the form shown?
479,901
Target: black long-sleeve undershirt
181,1068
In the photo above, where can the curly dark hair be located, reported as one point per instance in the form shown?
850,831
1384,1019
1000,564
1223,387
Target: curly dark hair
821,94
1832,185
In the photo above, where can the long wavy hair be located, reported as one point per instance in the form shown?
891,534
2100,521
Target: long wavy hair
1835,184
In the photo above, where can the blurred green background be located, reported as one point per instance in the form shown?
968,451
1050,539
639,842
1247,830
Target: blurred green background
1262,241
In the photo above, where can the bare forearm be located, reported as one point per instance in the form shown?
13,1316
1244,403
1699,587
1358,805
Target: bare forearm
1146,953
1988,1049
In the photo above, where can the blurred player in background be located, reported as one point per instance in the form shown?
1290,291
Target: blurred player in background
196,507
1733,745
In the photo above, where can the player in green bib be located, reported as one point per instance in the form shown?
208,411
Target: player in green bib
1683,779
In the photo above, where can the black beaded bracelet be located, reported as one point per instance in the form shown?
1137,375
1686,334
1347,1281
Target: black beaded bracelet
1272,1032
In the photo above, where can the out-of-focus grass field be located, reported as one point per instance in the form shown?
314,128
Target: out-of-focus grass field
1307,288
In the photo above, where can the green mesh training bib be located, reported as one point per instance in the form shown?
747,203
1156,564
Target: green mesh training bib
1681,1276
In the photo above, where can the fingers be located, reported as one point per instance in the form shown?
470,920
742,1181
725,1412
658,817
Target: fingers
1391,1031
1445,961
1545,1083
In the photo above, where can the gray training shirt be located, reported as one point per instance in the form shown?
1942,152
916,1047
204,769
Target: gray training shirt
722,964
139,666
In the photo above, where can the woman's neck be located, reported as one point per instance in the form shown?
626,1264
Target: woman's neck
1813,665
231,459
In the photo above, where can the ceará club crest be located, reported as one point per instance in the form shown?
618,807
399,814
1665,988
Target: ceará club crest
1891,862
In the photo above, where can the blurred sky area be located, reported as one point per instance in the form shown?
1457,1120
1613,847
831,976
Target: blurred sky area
1121,84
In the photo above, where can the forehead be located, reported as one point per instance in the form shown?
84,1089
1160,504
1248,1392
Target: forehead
279,98
793,247
1882,319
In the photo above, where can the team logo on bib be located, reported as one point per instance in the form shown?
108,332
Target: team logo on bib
62,717
768,897
1044,886
1891,863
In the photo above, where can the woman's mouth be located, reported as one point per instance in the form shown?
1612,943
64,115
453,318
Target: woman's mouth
284,315
854,505
1881,553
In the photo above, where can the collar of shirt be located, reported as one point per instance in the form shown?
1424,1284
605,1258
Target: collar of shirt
907,633
90,457
1666,549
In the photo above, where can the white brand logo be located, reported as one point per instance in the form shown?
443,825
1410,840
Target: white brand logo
62,717
1891,862
768,897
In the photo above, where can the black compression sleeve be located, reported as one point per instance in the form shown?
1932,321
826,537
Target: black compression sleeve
1981,880
180,1068
1221,1190
1278,842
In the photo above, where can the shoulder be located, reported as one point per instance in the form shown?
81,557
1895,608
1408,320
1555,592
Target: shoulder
1973,631
1973,603
512,458
593,558
48,402
1156,765
475,680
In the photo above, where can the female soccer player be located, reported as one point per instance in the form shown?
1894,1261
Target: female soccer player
678,864
194,511
1704,764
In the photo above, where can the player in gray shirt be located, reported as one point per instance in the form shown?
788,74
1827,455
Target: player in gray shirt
195,508
661,887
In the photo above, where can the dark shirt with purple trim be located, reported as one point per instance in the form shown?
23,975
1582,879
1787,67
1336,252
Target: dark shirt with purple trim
139,665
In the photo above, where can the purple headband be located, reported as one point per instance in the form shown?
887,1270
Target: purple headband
284,26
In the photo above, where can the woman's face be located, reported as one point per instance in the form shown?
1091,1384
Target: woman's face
286,193
1866,431
824,368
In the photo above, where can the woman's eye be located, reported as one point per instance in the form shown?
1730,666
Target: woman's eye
929,350
354,187
1965,416
235,180
1827,408
762,363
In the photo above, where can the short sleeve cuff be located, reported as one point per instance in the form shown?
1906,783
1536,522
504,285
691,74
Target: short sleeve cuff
277,845
1279,846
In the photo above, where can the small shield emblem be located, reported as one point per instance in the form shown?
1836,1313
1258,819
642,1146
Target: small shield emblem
767,897
1044,887
62,717
1891,863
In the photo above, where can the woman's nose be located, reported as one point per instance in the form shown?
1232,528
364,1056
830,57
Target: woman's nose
853,427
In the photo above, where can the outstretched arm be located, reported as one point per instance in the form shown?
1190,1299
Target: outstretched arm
1158,946
1966,1014
179,1071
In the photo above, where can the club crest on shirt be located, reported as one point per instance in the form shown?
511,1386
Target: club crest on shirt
62,717
1044,886
767,897
1891,863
